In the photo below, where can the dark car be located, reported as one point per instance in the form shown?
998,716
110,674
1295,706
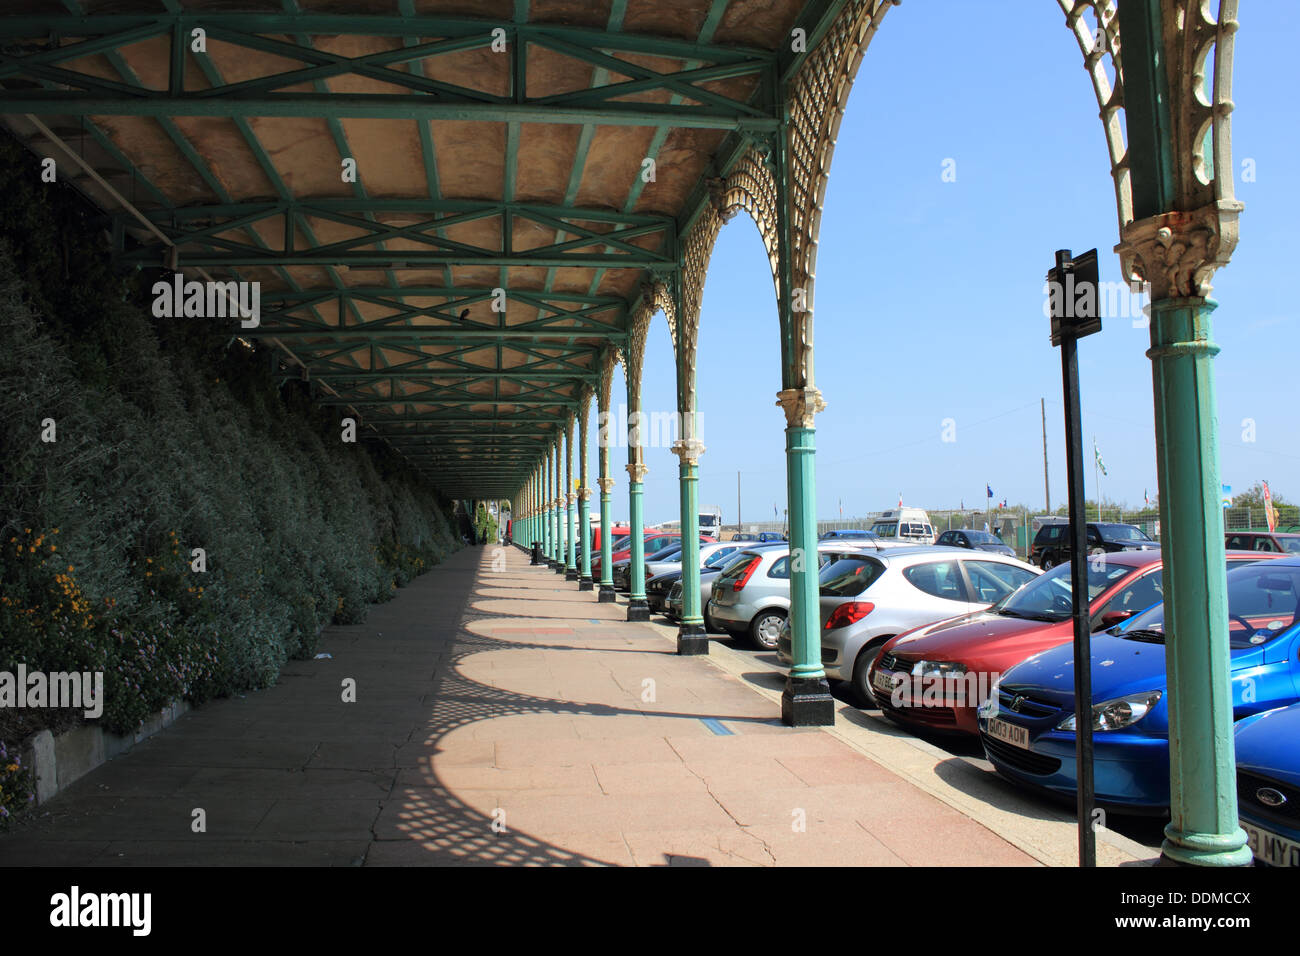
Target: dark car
1286,542
864,535
765,537
976,541
1052,543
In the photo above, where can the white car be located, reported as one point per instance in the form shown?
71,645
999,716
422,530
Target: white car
869,597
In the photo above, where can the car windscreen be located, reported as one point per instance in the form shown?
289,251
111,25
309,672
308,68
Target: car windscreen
1262,603
621,543
1047,597
982,537
666,554
1290,544
885,529
849,576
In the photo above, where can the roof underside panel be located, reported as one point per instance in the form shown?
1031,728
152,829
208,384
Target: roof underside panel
448,224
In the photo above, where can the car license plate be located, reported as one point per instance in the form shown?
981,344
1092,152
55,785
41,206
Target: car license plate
882,681
1271,848
1009,733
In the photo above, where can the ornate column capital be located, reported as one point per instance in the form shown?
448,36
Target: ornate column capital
800,405
606,485
572,498
584,492
688,450
1177,252
637,470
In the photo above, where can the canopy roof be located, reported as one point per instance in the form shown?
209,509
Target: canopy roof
521,169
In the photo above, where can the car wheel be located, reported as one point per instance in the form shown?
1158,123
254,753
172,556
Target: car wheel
765,628
709,624
862,694
1048,562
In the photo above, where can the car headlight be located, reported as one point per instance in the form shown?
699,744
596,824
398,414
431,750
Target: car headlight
1118,713
938,669
989,706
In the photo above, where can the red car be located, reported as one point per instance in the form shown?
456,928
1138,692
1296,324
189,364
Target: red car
936,676
654,541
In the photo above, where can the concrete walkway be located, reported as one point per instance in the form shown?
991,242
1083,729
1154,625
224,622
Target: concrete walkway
503,717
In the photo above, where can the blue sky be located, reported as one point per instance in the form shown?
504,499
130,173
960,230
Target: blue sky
929,293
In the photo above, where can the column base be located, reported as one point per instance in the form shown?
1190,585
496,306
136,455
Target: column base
585,584
570,574
638,610
1204,849
606,595
692,639
559,567
807,702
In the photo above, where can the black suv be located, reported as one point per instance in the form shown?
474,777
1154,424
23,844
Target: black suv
1052,543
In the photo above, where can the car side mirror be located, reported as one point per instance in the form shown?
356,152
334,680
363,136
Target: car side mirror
1111,618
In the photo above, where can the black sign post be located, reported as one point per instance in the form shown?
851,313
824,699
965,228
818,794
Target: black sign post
1075,313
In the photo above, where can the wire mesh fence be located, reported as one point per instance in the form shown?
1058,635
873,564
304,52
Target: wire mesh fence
1017,526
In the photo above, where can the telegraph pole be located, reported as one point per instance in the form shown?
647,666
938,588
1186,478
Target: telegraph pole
1047,490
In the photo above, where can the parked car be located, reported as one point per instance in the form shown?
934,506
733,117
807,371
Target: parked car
622,547
830,535
744,536
708,574
983,646
1052,543
753,596
764,537
620,568
869,597
667,571
1282,541
1268,784
975,540
1027,724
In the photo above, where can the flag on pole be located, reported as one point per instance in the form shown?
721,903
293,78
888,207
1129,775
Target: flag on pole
841,507
1145,499
900,499
1101,465
988,490
1269,513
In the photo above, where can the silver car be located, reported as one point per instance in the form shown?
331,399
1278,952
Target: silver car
664,574
708,574
753,596
869,597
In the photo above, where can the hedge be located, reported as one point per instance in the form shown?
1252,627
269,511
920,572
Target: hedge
169,435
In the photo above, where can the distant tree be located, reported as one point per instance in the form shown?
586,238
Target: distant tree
1253,497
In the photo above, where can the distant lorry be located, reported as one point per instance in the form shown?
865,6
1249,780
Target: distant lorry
711,521
904,524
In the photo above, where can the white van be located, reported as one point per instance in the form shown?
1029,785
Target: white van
904,524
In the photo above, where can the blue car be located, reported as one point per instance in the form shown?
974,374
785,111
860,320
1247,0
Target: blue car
1268,784
1027,724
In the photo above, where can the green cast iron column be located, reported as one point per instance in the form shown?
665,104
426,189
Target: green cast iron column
605,594
1203,825
547,547
584,499
806,700
1174,210
691,635
558,509
637,608
570,530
